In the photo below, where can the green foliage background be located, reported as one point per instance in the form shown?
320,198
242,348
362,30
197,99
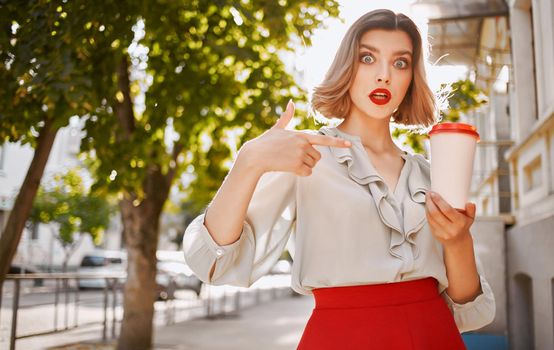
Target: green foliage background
67,202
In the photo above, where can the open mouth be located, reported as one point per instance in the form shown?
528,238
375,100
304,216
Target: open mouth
380,96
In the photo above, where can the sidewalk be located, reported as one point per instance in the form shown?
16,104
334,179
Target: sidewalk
274,325
271,325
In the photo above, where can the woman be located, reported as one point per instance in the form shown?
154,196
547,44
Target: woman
390,267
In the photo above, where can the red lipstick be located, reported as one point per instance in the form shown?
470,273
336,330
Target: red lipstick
380,96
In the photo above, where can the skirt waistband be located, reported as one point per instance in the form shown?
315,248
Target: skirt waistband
373,295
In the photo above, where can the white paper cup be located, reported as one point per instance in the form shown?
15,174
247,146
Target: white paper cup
452,156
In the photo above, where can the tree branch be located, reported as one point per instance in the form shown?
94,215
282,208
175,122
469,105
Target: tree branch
124,105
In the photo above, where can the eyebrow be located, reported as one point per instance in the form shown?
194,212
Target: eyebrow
401,52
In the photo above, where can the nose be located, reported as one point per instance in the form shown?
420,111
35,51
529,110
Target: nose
383,75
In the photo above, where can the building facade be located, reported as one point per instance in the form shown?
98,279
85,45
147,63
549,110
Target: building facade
530,241
512,60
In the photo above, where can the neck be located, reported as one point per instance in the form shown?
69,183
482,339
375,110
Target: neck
374,133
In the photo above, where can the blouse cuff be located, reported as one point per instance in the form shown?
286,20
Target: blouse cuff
217,250
474,314
202,252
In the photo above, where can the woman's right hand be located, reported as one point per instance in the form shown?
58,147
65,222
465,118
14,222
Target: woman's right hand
292,151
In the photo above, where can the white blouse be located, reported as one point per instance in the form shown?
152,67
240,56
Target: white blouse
347,227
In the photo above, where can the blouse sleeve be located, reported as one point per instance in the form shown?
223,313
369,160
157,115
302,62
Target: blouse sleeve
477,313
269,221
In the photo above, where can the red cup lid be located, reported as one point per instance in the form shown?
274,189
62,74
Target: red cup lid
455,127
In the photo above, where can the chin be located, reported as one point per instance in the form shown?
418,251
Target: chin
378,114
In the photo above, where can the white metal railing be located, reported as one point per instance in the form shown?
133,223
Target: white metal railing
219,301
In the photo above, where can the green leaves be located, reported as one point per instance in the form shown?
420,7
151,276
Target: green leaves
66,201
49,51
465,96
194,67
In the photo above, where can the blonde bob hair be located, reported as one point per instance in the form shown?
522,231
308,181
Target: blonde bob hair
331,97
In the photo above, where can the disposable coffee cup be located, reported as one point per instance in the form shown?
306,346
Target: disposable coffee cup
452,156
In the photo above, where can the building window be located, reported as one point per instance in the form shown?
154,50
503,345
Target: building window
34,231
533,174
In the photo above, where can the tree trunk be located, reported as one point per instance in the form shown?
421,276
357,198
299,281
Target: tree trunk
140,225
69,249
66,259
140,232
22,207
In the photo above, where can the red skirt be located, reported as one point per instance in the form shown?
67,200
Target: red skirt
407,315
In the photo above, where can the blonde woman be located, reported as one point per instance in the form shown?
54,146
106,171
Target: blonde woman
390,265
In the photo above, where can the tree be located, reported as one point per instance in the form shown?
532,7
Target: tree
47,60
75,209
202,68
152,79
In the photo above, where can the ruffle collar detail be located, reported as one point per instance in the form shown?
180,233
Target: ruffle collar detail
361,170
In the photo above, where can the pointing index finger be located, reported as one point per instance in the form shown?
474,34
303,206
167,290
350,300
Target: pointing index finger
327,141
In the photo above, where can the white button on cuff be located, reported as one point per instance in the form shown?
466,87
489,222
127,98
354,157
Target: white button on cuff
219,252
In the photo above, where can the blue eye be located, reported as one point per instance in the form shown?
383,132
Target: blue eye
403,64
367,59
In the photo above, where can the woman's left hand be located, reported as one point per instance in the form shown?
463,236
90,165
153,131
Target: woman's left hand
447,224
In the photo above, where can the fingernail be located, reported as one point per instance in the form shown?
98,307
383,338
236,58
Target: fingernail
289,104
348,143
433,194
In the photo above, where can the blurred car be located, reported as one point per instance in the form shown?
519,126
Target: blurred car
101,262
174,273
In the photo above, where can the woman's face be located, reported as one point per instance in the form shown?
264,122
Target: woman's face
384,73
